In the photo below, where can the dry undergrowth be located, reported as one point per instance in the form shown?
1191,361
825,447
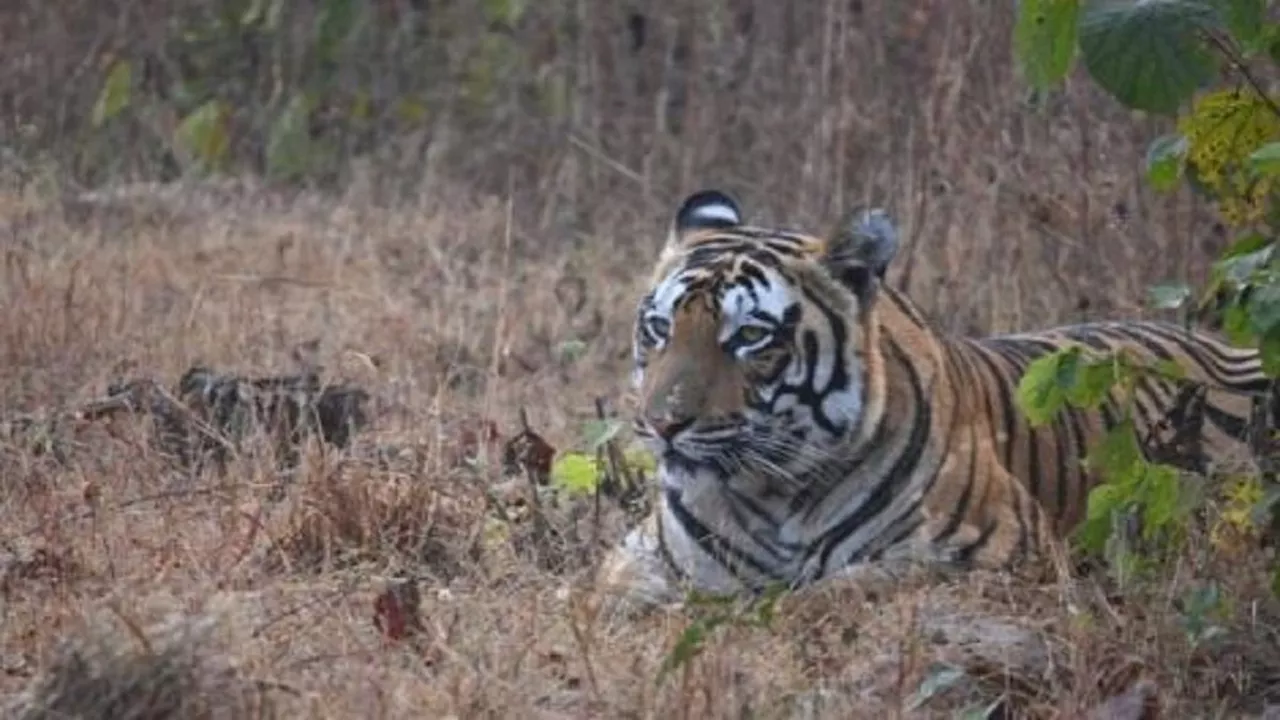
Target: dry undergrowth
406,575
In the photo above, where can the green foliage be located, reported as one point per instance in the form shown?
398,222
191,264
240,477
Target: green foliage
1266,160
1203,609
576,473
1166,57
581,473
713,612
1171,296
1166,160
203,135
287,89
1084,379
115,94
1149,55
1223,131
1245,19
1045,40
938,678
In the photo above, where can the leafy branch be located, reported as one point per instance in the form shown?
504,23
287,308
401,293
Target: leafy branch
1172,58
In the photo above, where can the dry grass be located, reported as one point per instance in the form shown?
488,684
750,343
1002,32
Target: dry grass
194,598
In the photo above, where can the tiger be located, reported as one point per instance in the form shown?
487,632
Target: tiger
809,422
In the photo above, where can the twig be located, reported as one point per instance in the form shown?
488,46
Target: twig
1238,63
541,529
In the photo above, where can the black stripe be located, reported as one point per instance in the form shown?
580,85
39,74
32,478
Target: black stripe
962,507
899,475
716,546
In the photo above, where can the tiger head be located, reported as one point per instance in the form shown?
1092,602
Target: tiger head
751,343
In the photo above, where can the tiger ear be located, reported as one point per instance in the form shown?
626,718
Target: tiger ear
704,209
860,250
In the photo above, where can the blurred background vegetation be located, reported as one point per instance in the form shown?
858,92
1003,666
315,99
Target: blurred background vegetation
592,115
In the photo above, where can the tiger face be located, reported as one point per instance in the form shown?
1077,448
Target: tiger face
751,357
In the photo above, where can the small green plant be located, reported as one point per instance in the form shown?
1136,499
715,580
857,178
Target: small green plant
1190,61
711,613
1201,611
602,466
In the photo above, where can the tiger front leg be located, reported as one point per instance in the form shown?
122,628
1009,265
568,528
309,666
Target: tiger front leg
633,578
987,521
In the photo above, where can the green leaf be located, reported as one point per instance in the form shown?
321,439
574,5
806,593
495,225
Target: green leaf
289,147
1166,157
577,473
1168,297
599,432
203,133
690,644
940,677
1041,389
1238,264
1246,21
1264,308
1270,352
1261,514
1044,40
1162,498
1117,455
1245,245
1266,159
1235,325
1094,382
1104,500
115,94
1148,54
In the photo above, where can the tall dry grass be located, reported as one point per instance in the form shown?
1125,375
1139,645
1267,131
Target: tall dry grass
445,267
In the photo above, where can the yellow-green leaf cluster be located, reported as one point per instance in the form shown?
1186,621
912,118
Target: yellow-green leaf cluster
1235,528
576,473
1223,130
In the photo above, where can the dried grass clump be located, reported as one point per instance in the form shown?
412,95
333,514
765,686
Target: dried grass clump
357,513
124,672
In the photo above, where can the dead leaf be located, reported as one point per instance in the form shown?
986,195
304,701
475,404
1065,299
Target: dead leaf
396,611
529,453
1139,702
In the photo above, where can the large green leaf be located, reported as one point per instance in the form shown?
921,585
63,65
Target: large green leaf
1149,54
1266,159
115,94
1044,40
203,134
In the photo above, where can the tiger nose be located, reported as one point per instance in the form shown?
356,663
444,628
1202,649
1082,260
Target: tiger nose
668,427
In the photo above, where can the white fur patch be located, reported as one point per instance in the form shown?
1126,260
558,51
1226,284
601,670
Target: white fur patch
716,212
